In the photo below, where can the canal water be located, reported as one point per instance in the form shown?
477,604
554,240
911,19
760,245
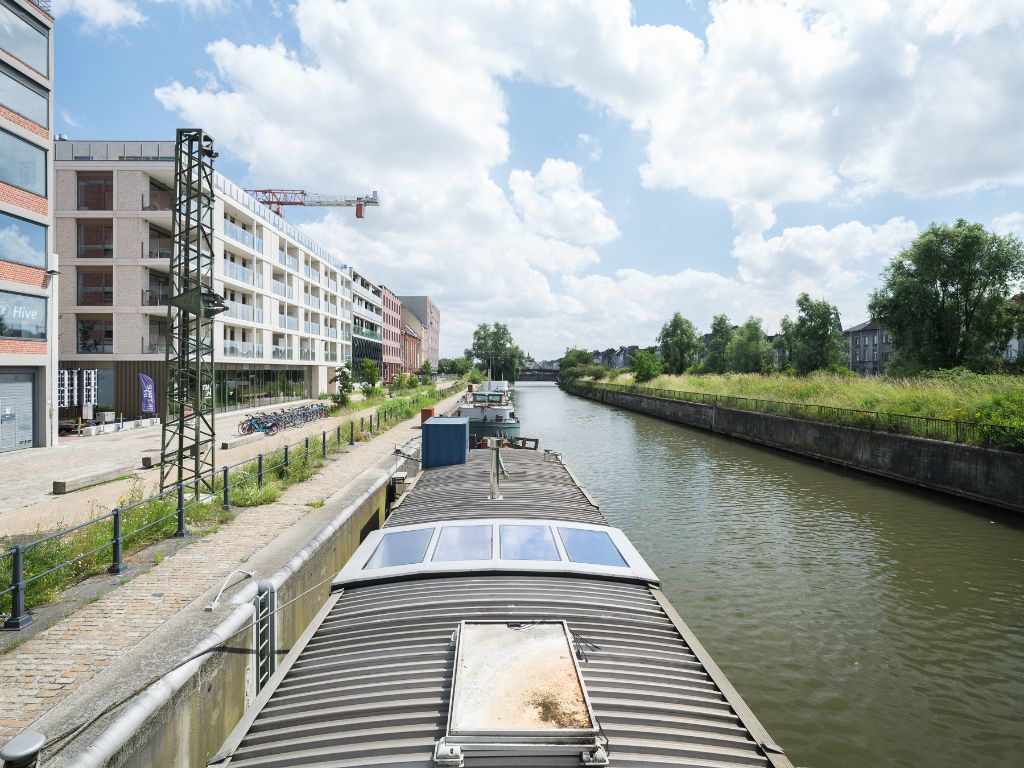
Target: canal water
865,623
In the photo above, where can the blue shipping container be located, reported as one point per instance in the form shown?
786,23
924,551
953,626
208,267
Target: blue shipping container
445,441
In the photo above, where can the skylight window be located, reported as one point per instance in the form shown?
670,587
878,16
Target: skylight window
527,542
593,547
400,548
463,542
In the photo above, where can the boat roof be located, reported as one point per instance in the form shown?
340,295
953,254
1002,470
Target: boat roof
371,685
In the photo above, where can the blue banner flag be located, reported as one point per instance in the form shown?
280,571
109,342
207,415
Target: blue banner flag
148,393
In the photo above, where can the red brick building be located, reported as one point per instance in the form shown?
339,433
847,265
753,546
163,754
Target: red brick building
391,334
27,263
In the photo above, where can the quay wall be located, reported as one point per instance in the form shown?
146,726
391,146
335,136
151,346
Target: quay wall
183,719
967,471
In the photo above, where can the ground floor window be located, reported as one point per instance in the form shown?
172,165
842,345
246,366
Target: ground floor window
256,386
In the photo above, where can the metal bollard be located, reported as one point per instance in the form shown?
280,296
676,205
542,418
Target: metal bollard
23,750
181,512
351,433
227,490
116,566
19,616
323,445
259,470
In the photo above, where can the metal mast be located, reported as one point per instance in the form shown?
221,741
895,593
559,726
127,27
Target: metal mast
187,452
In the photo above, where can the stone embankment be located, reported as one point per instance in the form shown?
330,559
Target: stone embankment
967,471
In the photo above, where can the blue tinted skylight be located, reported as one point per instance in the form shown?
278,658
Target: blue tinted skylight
527,542
400,548
463,542
594,547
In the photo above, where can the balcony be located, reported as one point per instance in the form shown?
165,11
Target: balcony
292,262
312,274
155,297
154,345
330,332
313,329
242,349
331,284
240,235
307,354
331,357
347,293
157,248
282,290
242,274
282,353
240,311
330,309
288,323
158,200
365,333
311,301
345,314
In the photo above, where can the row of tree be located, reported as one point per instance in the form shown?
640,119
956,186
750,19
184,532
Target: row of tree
493,350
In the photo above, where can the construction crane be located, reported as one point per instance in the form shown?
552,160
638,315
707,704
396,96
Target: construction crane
276,199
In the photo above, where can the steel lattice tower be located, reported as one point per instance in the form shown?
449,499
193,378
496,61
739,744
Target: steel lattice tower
187,453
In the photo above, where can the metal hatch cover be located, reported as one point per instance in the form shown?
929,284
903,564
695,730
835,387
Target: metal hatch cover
517,690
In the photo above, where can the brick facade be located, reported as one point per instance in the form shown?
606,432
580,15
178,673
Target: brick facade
24,122
19,273
22,347
23,199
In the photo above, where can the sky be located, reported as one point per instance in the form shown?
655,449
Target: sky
581,169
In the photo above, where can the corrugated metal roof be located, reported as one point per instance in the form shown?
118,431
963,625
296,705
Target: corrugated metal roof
535,488
371,687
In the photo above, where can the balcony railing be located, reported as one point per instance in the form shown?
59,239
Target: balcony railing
311,301
282,353
157,248
365,332
282,290
242,274
154,346
331,357
307,354
372,297
330,309
345,334
330,332
240,311
313,329
155,297
242,349
331,284
345,314
158,200
239,234
288,323
347,293
292,262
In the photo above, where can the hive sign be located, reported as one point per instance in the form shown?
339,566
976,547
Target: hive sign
19,312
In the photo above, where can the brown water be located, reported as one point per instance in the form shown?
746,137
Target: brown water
866,623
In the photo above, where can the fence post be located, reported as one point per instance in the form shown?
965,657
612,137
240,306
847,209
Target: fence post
339,435
181,512
305,451
116,566
351,433
19,616
259,470
323,446
286,457
227,489
362,428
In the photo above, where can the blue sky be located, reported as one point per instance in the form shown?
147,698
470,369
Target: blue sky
581,170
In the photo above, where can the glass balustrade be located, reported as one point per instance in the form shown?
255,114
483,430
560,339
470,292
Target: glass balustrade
330,309
288,323
330,333
285,291
239,273
240,234
311,301
313,329
306,354
154,345
158,200
331,357
242,349
157,248
366,333
155,297
240,311
282,353
292,262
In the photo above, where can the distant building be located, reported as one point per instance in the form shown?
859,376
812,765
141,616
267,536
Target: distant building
1015,349
430,318
411,349
367,322
870,348
391,334
28,264
615,357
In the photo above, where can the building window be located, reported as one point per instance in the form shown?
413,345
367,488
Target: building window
23,242
95,239
22,164
21,316
95,336
24,40
96,289
96,191
20,95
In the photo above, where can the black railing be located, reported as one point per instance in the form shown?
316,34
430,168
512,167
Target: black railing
36,569
1000,436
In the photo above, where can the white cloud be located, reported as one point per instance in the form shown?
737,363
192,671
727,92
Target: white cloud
1011,223
101,14
592,146
69,119
554,203
799,100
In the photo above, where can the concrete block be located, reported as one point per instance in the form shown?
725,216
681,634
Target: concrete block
231,442
79,482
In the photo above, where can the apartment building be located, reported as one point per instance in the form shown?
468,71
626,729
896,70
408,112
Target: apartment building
289,319
367,322
429,317
871,348
391,334
411,349
28,264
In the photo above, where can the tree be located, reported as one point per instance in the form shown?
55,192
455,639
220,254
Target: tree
679,344
494,350
721,335
946,298
748,350
343,379
369,374
645,366
454,366
815,340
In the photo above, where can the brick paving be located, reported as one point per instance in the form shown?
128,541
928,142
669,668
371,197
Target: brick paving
54,663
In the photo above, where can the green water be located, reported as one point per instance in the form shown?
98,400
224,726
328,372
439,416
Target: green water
866,623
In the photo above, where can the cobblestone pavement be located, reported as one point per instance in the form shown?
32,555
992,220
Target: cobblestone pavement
39,510
51,665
